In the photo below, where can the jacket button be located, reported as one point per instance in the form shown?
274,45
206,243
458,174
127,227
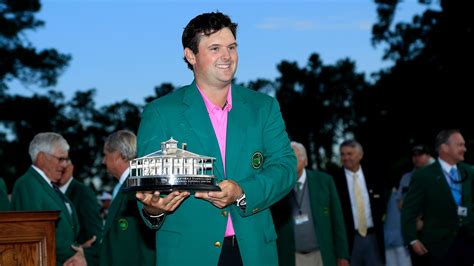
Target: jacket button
224,213
217,244
255,210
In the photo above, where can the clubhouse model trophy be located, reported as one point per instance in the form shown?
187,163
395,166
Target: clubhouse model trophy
171,169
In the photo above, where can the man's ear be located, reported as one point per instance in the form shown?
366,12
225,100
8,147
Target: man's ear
190,56
40,159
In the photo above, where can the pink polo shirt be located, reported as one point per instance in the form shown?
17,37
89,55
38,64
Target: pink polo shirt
218,116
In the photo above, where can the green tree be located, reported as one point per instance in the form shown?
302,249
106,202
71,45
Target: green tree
425,89
319,103
19,59
79,120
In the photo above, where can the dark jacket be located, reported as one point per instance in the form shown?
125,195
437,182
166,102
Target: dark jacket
375,188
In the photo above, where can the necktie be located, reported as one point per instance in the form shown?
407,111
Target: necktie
362,223
455,187
58,191
298,186
62,196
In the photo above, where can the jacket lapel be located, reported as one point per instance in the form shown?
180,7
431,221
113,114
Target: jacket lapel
113,211
466,185
237,125
440,180
49,192
197,116
312,189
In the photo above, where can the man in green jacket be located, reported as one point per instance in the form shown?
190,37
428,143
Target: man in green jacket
442,193
309,220
244,130
37,190
127,240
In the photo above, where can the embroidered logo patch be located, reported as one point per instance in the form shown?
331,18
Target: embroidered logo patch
326,211
123,224
257,160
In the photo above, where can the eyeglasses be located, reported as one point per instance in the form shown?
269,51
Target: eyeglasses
60,159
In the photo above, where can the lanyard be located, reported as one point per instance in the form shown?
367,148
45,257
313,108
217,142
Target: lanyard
299,201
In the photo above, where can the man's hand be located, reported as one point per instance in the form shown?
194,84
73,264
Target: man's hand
89,242
342,262
67,174
419,223
78,259
156,205
419,248
230,192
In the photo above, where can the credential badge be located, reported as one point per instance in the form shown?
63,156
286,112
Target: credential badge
257,160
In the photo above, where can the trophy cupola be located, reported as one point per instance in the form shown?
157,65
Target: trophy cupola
169,147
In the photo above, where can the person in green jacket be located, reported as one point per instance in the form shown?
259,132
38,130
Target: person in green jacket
254,168
4,200
442,193
127,240
88,211
309,220
37,190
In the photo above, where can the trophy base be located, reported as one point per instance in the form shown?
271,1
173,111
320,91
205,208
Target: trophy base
169,184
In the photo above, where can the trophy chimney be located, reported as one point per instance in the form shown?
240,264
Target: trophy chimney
183,146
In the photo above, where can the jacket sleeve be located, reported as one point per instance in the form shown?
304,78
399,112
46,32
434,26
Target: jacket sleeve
279,168
412,208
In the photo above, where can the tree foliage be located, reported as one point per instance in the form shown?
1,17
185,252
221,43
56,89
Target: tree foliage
319,103
81,123
19,59
425,89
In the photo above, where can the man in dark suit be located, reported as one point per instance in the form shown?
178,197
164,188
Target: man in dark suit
363,205
127,240
88,211
442,194
37,190
309,221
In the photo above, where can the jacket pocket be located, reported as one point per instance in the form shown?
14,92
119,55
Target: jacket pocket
168,239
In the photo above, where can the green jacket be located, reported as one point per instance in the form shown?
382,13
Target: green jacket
127,240
88,212
4,201
327,217
429,195
255,126
32,193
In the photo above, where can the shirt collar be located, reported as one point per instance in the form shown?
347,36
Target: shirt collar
212,107
446,166
64,187
302,179
43,175
350,173
124,176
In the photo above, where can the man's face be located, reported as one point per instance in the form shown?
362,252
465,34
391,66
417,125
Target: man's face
351,157
453,151
53,164
420,160
301,163
216,61
111,160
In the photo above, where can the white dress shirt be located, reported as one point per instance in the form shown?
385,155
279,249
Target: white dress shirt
365,196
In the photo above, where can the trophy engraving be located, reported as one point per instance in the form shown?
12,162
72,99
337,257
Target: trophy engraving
171,169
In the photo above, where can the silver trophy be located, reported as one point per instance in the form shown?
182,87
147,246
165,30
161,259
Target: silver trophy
171,169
